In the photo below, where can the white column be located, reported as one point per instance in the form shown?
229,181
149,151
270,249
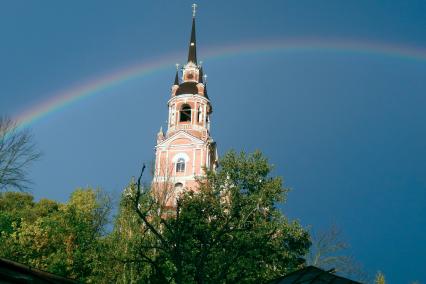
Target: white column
208,157
175,115
167,165
170,116
157,161
193,161
201,160
208,124
194,113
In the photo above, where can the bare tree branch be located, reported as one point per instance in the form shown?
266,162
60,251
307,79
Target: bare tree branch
144,215
17,152
329,251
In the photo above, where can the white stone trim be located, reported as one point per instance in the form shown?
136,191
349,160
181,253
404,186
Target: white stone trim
183,134
193,160
182,155
208,157
174,179
184,97
167,161
202,160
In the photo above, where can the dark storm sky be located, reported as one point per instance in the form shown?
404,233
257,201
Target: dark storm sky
345,129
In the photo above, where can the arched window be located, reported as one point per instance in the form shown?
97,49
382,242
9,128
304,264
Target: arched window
178,186
185,113
178,192
180,165
190,75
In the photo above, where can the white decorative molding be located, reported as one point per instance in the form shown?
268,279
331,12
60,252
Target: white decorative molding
193,160
179,134
174,179
185,97
179,155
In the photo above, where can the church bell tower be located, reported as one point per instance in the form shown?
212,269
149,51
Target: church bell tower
186,149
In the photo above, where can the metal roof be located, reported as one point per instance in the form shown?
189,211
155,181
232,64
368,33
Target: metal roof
14,272
312,275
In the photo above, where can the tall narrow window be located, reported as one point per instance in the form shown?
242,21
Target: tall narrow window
185,113
180,165
172,119
199,114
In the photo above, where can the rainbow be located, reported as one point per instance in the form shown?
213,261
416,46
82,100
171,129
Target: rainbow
62,99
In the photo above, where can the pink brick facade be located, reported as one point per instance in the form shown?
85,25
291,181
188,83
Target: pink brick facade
186,149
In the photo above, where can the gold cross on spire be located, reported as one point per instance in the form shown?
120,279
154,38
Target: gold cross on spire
194,9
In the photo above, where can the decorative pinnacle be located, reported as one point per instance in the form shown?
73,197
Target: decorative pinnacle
177,66
205,78
194,9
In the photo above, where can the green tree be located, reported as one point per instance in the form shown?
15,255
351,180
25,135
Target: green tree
229,230
127,238
18,206
65,239
380,278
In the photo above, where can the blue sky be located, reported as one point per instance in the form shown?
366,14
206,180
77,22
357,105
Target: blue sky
346,130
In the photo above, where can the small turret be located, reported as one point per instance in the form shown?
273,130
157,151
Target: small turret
160,135
176,82
200,75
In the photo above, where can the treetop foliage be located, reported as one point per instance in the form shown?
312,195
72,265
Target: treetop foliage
227,230
65,239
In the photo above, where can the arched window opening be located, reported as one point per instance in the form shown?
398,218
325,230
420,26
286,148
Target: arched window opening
185,113
178,186
178,192
190,75
180,165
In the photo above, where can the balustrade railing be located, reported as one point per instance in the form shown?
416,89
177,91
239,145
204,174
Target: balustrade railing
186,127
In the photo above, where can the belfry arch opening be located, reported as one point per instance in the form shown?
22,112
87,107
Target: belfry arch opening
185,113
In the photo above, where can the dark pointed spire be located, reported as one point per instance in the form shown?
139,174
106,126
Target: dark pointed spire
192,53
200,75
176,78
177,75
205,91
